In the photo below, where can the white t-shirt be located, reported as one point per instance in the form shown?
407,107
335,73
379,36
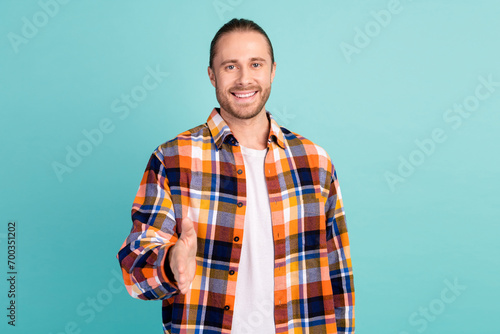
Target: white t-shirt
254,301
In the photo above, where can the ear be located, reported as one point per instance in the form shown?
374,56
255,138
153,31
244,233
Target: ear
273,71
211,75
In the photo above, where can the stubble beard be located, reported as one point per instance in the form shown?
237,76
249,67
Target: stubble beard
243,111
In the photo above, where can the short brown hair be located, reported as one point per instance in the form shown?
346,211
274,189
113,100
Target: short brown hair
238,25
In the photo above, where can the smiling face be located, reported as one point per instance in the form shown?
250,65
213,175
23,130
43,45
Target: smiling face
242,74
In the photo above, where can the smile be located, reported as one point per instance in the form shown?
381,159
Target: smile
244,95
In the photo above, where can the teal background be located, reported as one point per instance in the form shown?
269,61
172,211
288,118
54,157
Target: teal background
440,222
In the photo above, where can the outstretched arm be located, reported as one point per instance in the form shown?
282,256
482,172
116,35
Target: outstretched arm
144,256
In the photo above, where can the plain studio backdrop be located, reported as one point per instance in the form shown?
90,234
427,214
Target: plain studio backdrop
404,96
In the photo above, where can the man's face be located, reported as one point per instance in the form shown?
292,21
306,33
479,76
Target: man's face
242,73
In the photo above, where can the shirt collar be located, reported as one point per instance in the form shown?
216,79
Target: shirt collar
220,130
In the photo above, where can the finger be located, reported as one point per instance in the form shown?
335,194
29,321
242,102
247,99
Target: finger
185,287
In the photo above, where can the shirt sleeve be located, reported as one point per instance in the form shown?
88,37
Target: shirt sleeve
339,259
143,254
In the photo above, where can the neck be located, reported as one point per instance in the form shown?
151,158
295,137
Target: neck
251,133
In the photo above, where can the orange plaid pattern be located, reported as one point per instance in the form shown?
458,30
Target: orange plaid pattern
200,174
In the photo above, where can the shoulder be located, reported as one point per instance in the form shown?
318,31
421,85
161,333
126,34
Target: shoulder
180,144
310,156
301,146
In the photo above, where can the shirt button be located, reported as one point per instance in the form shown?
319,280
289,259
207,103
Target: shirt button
236,239
240,205
231,272
226,307
240,171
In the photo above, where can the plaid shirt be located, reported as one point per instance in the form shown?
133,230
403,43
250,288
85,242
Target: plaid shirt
201,174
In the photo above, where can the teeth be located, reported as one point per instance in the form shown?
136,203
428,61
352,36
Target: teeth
245,95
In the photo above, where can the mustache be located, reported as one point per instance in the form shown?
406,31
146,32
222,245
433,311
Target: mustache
244,89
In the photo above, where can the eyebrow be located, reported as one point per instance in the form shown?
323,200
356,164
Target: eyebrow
228,61
257,58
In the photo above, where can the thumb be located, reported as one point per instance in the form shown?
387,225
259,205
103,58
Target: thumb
187,228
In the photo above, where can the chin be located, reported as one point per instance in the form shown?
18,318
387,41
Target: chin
242,113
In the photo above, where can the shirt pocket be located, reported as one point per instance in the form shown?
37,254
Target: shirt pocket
311,205
313,222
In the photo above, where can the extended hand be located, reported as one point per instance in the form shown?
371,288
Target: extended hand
182,256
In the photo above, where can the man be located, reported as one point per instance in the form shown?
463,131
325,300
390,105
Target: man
238,224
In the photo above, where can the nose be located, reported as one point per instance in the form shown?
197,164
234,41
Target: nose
244,77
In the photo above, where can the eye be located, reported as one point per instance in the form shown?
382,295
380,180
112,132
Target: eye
256,65
230,67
